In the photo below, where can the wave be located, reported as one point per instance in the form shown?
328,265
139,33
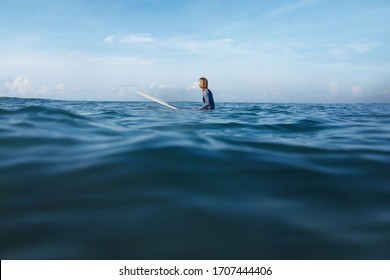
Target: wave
123,180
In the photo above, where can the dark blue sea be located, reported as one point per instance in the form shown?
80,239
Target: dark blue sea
136,180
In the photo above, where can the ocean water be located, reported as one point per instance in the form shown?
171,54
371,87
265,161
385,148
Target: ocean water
136,180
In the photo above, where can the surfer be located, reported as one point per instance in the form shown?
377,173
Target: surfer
208,100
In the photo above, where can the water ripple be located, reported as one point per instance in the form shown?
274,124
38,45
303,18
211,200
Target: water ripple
123,180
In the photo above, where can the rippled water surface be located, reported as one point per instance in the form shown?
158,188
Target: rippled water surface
135,180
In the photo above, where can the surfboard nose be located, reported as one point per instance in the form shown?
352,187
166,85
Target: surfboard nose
155,99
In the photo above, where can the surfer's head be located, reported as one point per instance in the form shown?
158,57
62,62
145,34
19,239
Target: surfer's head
203,83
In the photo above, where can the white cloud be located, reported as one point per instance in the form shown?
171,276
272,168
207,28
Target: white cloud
60,88
137,39
333,88
337,51
353,48
275,91
169,86
109,39
195,85
172,43
164,86
143,38
23,87
356,91
19,85
361,47
43,91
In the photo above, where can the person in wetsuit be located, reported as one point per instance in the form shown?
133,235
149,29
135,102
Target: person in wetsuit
208,100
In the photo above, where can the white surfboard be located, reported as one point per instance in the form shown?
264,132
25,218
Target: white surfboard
155,99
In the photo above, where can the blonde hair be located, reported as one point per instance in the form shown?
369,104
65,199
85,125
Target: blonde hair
204,81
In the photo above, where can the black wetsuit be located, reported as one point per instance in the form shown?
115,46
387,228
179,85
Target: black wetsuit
208,100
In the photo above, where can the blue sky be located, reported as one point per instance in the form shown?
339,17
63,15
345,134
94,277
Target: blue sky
250,50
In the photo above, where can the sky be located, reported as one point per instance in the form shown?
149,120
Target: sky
319,51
